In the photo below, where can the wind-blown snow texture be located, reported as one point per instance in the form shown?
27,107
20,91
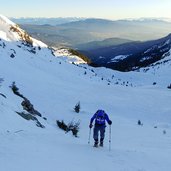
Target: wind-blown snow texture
54,86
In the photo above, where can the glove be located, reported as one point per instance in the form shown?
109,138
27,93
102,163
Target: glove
90,126
110,122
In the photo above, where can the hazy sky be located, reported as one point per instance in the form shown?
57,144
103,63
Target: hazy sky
112,9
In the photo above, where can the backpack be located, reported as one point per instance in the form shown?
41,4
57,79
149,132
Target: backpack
100,117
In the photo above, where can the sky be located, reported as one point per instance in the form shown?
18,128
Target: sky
109,9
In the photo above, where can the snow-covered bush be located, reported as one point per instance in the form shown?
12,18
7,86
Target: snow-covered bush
62,125
26,104
140,123
77,107
169,86
164,131
15,89
72,126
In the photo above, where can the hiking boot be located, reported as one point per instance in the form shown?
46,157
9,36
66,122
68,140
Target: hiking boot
96,144
101,144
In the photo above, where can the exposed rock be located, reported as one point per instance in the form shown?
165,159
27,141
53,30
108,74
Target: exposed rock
28,116
29,107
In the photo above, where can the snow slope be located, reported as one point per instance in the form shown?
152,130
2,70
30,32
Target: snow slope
54,86
67,56
161,67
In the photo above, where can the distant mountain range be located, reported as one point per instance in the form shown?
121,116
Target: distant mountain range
119,45
45,21
73,34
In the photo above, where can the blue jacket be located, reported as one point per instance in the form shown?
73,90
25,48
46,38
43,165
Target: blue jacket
100,117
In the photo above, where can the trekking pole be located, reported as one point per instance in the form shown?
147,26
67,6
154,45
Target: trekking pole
89,136
110,137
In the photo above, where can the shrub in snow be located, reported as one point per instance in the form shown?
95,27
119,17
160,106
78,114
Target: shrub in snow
3,45
29,107
77,107
164,131
169,86
15,90
45,118
62,125
33,50
14,87
12,55
140,123
72,126
26,104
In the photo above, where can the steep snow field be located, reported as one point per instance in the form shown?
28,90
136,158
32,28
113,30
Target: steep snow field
54,86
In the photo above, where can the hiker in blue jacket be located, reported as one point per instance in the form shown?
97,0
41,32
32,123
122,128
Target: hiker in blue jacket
100,117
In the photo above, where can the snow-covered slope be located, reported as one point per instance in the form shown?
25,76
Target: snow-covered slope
54,86
10,31
161,67
67,56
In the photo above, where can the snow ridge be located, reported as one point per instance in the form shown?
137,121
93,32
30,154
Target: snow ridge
10,31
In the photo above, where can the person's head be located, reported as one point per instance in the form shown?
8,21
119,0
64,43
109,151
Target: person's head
100,112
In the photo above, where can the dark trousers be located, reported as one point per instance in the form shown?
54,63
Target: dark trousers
98,129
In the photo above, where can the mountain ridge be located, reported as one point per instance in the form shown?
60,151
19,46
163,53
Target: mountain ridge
133,54
84,31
